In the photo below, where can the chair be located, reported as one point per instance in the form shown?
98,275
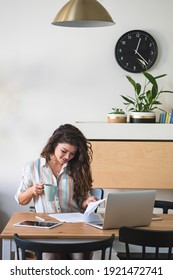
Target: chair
165,205
64,249
145,238
97,192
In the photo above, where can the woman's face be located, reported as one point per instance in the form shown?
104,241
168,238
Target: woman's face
64,152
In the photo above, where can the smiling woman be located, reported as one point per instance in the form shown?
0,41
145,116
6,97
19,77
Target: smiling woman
65,163
63,153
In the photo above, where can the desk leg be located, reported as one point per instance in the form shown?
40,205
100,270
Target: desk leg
6,249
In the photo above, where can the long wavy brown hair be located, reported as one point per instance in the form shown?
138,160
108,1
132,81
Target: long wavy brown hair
78,167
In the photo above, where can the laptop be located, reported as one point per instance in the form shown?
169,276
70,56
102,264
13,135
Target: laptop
132,208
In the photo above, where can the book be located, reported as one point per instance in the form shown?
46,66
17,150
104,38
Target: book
171,118
166,117
162,117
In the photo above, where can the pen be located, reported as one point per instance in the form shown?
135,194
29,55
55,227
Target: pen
39,218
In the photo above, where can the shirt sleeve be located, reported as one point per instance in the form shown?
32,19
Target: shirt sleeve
26,180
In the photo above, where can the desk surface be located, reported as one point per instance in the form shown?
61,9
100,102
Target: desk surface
70,230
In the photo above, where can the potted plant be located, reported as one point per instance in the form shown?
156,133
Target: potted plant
145,99
117,116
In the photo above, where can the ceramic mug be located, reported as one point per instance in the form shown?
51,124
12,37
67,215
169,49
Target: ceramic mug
50,191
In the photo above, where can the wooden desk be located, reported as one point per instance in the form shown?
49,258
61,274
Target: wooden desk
78,231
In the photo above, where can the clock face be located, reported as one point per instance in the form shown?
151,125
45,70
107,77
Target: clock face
136,51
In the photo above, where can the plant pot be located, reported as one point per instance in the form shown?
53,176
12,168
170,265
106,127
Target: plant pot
117,118
142,117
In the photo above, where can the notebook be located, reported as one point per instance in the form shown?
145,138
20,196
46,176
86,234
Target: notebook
132,208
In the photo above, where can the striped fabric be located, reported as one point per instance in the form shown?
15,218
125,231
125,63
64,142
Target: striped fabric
38,171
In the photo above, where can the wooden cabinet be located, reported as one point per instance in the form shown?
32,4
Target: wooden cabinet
131,155
133,164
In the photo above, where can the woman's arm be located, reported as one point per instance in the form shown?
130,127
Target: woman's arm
26,196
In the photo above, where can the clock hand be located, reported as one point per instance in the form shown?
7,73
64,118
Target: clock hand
136,52
138,45
142,62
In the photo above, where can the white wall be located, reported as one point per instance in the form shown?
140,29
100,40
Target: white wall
51,75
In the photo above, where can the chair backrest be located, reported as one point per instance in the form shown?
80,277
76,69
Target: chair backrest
147,238
165,205
97,192
63,249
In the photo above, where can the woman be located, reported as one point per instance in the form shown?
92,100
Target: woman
64,162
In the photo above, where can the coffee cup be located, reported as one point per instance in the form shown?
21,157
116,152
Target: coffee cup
50,191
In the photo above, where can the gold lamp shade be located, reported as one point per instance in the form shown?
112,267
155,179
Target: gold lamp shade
83,13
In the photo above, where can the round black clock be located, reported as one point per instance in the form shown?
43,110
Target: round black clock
136,51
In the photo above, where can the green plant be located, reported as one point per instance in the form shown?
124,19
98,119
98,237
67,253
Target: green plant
146,98
117,111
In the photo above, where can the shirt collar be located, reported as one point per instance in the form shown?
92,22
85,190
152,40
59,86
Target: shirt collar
43,163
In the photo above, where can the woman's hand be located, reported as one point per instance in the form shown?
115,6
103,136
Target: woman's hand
37,189
88,200
26,196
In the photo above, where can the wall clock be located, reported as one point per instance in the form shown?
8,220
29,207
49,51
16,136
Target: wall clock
136,51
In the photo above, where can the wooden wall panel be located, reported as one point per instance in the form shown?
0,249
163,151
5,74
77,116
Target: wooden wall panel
133,164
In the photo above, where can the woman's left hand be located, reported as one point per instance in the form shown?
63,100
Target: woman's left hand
88,200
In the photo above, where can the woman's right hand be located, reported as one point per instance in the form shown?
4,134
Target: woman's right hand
38,189
26,196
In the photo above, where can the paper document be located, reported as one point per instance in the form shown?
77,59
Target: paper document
68,217
88,216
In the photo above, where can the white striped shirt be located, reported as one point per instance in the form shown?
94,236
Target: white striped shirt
39,171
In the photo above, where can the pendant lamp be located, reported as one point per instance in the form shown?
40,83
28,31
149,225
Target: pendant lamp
83,13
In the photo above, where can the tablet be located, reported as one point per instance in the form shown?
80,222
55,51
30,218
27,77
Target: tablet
37,224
